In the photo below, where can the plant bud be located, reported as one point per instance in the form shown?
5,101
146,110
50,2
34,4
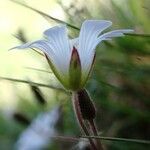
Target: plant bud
87,107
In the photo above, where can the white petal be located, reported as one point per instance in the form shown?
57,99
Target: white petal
56,47
58,39
42,129
87,40
115,33
45,47
42,45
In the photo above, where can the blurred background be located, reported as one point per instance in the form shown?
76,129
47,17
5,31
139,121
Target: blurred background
119,84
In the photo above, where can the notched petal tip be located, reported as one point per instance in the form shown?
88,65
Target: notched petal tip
123,31
12,48
39,44
115,33
127,30
19,47
24,46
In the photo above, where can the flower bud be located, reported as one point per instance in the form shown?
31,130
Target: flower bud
87,107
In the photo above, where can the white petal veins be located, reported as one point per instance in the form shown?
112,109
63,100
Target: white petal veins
47,48
87,41
115,33
58,38
42,45
58,46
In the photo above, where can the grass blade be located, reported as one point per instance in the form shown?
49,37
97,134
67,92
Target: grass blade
120,139
138,35
46,15
33,83
68,24
37,69
75,139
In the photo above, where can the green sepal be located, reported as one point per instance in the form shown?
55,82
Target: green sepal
63,81
75,71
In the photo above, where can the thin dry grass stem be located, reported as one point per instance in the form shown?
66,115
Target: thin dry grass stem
37,69
34,83
75,139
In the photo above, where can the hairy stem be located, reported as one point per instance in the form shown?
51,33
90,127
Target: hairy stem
95,132
80,119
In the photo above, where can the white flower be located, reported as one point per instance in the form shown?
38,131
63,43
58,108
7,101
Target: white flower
38,135
71,59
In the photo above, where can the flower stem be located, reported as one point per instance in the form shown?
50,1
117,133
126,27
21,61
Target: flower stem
80,120
95,132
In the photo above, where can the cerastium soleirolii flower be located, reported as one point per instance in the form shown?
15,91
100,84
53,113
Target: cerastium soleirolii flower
71,60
